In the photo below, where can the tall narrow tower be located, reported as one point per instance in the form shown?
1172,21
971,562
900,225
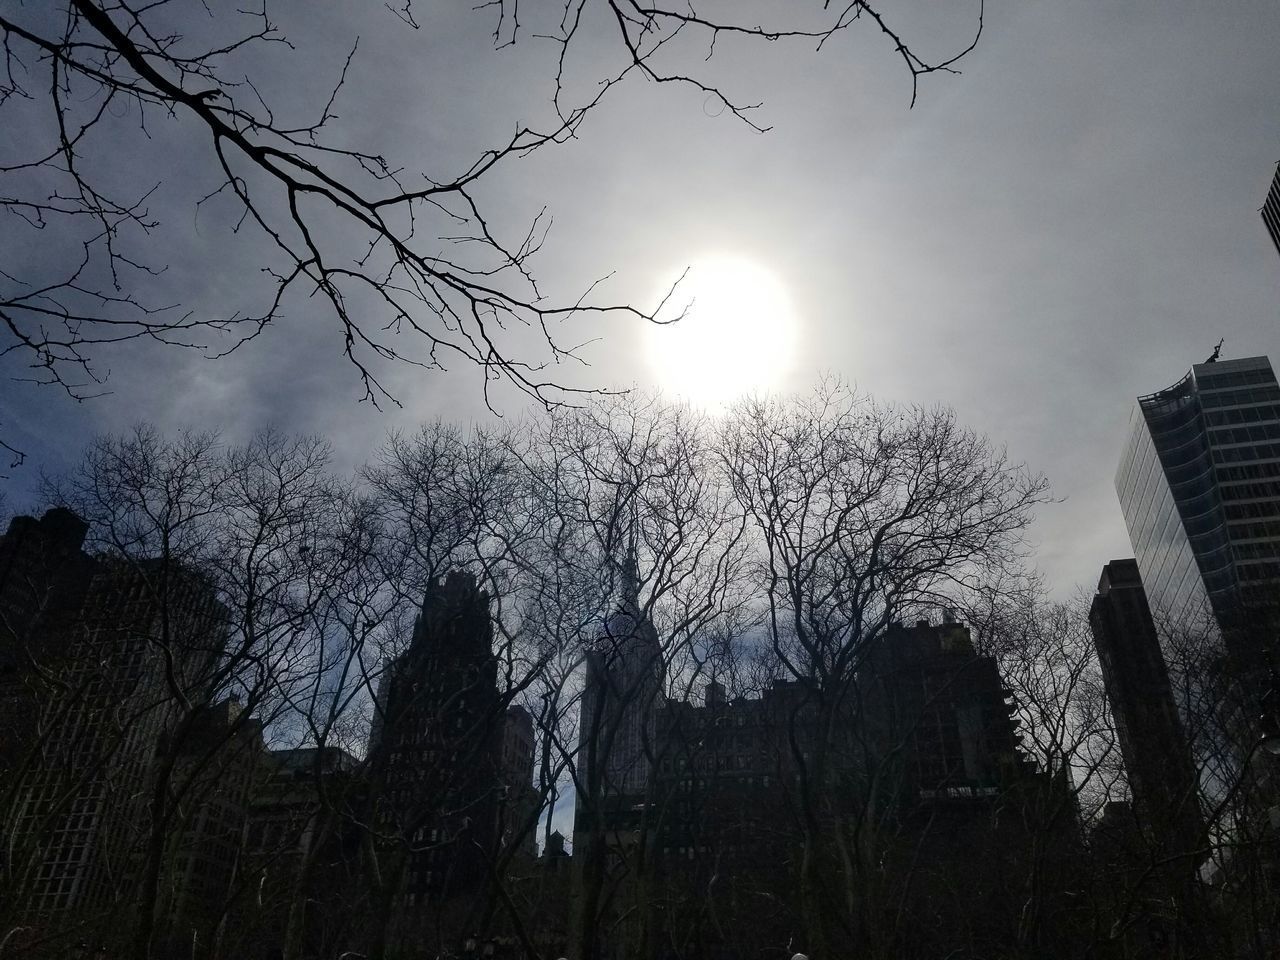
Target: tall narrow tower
623,683
616,760
1152,739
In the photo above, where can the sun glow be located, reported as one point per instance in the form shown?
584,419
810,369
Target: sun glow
737,335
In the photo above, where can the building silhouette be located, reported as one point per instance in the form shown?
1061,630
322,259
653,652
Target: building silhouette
922,764
624,674
522,807
617,744
727,843
44,573
219,760
1155,846
301,859
961,815
1152,739
445,751
102,654
941,711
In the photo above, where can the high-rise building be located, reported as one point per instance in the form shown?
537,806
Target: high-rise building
1152,740
44,573
523,806
127,655
1199,486
218,759
937,711
1153,848
1271,209
623,686
727,842
445,813
616,755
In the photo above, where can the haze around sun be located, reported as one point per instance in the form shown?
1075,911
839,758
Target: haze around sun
728,329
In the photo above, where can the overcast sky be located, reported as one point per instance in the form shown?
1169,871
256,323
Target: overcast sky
1069,223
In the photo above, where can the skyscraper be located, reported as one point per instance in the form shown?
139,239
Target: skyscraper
44,573
1152,740
219,758
1199,486
439,740
615,766
450,762
1157,854
623,686
78,802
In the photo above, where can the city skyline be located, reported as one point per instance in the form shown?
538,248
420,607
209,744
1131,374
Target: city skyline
449,762
627,481
698,709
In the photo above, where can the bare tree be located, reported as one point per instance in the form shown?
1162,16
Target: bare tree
410,265
1049,663
861,513
1224,678
638,556
621,559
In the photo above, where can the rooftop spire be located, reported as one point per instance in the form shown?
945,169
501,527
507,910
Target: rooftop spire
631,574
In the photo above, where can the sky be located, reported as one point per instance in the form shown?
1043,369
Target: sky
1068,223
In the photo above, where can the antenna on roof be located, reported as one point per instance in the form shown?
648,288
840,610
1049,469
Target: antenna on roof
1216,352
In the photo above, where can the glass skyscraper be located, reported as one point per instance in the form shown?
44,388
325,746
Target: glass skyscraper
1199,486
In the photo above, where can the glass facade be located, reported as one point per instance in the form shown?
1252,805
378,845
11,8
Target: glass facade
1271,209
1199,486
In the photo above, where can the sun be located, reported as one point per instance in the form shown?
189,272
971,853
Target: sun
737,335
